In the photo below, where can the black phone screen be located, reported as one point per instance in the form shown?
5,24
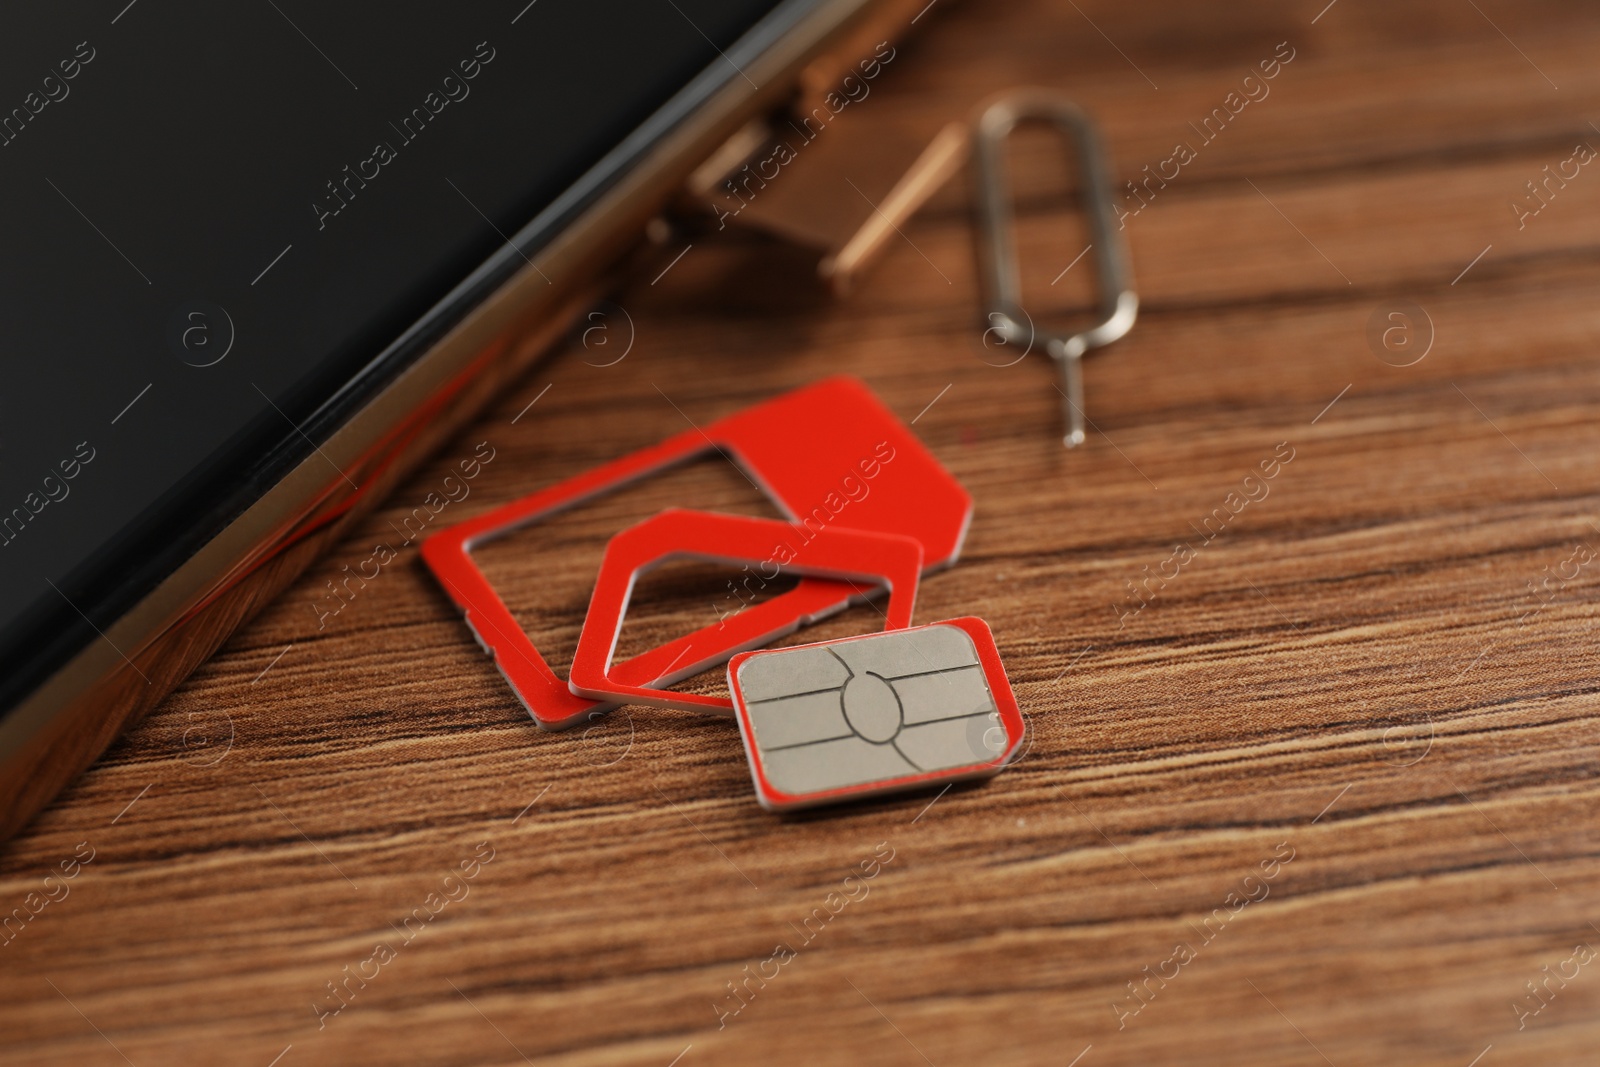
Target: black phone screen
218,217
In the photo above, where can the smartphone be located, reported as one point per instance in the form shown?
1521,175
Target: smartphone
258,259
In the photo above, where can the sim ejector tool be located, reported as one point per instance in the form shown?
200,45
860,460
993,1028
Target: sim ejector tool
1118,304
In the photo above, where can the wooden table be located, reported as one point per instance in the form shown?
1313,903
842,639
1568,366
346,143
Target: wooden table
1324,791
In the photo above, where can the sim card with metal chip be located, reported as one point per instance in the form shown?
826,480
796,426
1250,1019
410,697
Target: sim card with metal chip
881,713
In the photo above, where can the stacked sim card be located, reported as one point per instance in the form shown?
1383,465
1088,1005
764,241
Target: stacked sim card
870,507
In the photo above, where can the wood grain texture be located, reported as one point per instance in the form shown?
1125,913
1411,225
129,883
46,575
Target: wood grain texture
1383,667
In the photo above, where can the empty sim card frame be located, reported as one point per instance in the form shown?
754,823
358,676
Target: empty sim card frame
801,448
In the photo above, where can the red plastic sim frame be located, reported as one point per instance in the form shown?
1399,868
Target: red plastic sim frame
827,454
677,533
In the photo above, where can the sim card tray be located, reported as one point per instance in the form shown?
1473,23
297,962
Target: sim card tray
1118,304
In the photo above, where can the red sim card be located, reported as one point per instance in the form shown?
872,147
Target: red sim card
881,713
829,455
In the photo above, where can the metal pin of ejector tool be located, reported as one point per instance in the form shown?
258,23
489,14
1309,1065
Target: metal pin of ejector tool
1118,305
